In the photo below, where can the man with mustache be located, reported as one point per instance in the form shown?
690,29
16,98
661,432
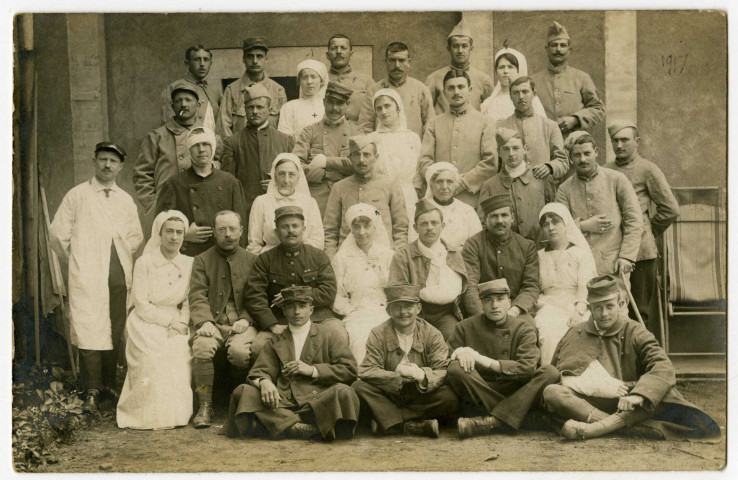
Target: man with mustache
498,252
217,310
605,207
291,263
339,55
416,98
248,154
323,146
198,61
233,116
96,231
164,152
364,186
435,266
541,135
651,188
402,377
200,192
463,137
494,365
568,95
460,45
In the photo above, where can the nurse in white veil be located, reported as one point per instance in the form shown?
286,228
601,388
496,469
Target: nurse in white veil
312,79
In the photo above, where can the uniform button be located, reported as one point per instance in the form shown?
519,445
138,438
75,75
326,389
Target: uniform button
315,392
221,294
181,157
220,188
194,208
345,134
506,336
223,276
292,263
192,190
220,206
325,133
292,274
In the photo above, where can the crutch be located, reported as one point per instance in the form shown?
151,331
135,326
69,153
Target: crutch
631,299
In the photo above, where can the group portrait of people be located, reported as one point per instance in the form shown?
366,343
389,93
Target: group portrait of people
394,252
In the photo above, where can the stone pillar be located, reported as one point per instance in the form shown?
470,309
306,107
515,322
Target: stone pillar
621,70
481,23
88,88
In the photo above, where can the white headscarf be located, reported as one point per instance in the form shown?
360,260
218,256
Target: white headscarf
320,69
394,95
154,242
434,169
522,67
302,185
572,233
201,134
381,238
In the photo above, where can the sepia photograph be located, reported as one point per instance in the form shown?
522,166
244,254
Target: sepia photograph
484,240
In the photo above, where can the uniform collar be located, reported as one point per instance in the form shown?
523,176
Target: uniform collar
176,128
99,187
591,177
627,161
295,252
340,122
367,178
389,83
613,330
454,68
462,110
560,69
346,69
494,241
191,78
416,252
246,80
160,260
527,114
507,180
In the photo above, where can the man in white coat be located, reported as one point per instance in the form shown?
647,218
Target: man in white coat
96,230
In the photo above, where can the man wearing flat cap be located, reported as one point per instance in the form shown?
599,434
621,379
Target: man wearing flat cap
494,365
291,263
437,268
248,154
198,61
96,231
323,147
568,95
528,194
364,186
402,378
463,137
460,45
218,311
658,206
233,114
299,384
497,252
200,192
340,51
615,375
164,152
541,135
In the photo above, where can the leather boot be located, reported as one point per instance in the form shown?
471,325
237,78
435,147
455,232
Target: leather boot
471,427
92,400
423,428
304,431
574,430
202,419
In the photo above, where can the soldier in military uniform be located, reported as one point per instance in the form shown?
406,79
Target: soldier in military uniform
339,55
299,385
323,147
494,365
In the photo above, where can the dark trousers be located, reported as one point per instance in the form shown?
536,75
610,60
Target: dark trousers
409,404
506,399
644,289
98,367
442,317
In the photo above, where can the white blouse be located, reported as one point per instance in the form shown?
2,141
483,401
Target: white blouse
299,113
160,286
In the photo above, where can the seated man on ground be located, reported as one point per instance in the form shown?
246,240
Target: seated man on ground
403,373
299,385
217,309
616,375
494,365
436,267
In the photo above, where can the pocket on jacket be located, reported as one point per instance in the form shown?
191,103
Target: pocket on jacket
277,279
310,276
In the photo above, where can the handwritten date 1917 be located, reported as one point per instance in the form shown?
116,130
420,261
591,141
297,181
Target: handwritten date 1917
674,64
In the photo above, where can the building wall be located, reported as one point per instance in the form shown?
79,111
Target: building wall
682,95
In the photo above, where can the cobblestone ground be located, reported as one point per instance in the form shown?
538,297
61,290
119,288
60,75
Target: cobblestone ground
107,448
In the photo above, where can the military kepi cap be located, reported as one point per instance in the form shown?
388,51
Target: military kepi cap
358,142
424,206
618,125
297,293
183,86
111,147
503,135
289,210
402,292
492,287
338,91
557,32
254,91
602,288
255,42
495,202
